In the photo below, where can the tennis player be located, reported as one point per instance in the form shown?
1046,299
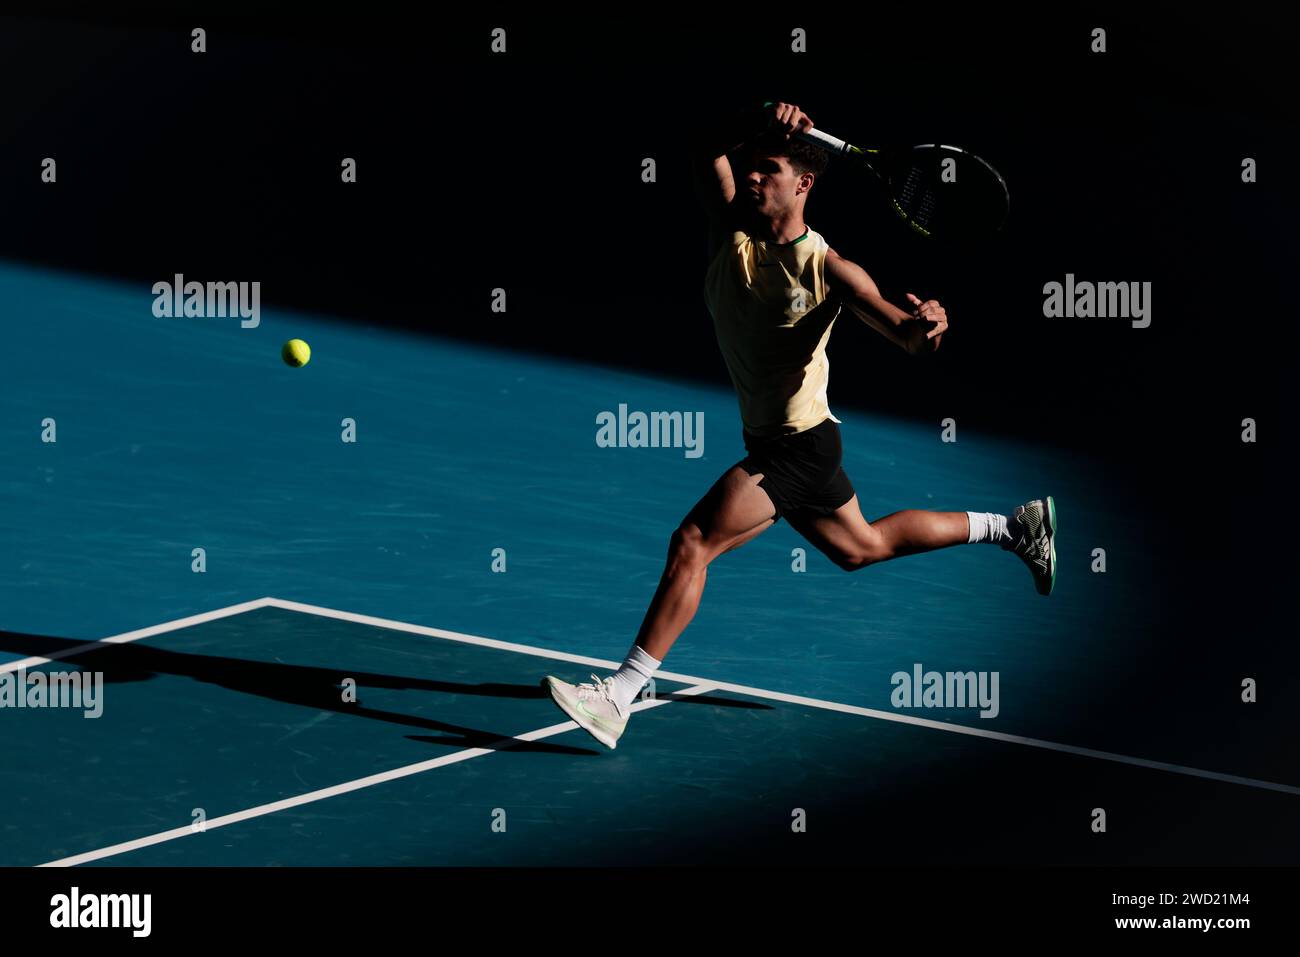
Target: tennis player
774,288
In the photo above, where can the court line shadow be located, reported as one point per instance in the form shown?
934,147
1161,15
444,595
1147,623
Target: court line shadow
302,685
317,688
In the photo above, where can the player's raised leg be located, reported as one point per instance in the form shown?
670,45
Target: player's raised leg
852,542
731,513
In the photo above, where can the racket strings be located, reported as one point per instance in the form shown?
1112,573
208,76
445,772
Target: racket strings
943,192
916,197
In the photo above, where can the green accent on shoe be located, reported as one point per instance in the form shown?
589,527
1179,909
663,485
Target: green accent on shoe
595,718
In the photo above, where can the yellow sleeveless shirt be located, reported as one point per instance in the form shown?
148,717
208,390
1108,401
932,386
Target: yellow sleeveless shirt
772,319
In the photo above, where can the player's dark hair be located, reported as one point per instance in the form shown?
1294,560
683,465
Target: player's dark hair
804,157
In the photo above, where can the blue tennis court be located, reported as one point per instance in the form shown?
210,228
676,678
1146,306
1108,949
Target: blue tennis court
475,537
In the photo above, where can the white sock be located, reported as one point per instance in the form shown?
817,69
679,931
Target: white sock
632,676
988,527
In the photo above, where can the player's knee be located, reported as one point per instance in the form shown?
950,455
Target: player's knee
687,548
860,557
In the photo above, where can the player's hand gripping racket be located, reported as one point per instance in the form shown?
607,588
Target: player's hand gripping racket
941,192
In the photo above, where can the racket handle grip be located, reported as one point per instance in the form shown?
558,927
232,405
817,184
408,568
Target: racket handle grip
818,138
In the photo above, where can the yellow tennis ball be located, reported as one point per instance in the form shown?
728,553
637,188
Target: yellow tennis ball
296,353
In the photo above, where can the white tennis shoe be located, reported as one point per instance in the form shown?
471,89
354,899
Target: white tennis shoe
592,706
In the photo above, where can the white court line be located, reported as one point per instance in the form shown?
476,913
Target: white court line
129,636
701,684
793,699
346,787
428,632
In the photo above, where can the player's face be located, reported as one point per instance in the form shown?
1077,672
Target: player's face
768,184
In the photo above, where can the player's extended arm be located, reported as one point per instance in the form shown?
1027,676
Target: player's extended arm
916,333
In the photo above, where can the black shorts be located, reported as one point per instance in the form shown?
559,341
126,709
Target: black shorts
801,472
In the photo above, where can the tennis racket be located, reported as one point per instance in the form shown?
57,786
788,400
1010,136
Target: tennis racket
941,192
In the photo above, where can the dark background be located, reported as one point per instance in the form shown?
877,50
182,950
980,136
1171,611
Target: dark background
523,171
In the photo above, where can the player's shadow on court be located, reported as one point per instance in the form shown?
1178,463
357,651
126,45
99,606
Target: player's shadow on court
303,685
